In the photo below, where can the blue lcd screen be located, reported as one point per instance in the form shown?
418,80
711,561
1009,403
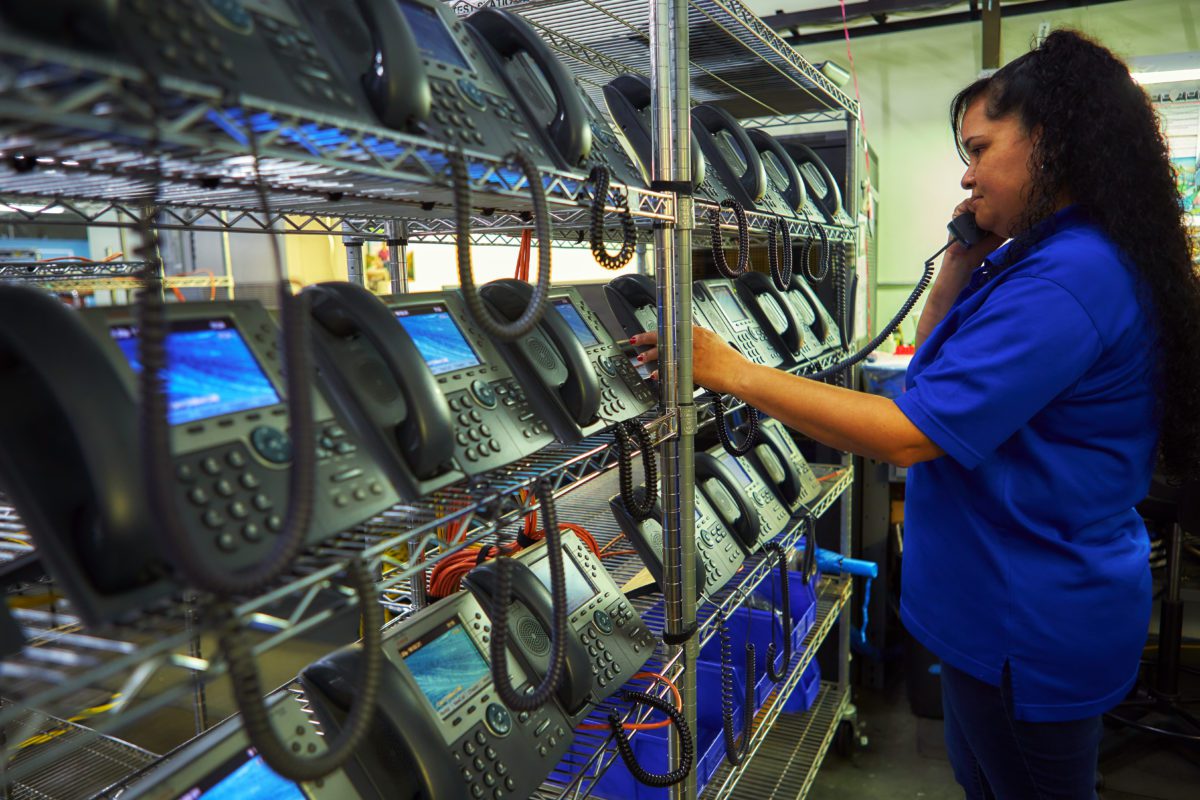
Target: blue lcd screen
574,320
446,665
438,338
736,467
244,777
210,370
432,36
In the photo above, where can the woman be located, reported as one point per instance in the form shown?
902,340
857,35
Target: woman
1046,369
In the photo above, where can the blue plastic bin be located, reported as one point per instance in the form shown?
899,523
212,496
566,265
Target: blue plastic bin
803,600
806,693
758,628
651,746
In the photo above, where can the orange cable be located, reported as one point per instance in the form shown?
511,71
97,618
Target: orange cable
642,726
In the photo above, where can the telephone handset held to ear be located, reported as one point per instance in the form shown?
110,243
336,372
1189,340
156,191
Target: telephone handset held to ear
567,131
964,229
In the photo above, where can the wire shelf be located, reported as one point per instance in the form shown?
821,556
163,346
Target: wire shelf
736,60
76,126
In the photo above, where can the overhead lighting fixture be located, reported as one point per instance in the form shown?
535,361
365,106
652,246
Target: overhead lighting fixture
31,209
1166,76
835,72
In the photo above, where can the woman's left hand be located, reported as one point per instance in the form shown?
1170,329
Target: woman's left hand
715,365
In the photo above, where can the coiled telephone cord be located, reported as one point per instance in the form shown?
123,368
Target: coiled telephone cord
780,262
743,226
503,331
785,597
687,747
498,652
627,436
735,751
750,437
599,177
248,690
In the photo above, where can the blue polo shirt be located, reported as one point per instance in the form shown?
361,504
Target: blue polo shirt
1022,544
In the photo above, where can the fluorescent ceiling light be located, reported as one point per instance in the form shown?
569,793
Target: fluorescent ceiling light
1166,76
31,209
835,72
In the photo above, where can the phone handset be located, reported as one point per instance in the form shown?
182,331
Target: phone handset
774,309
752,178
395,81
771,150
963,228
646,534
509,35
778,464
552,352
731,502
401,407
85,509
629,98
822,186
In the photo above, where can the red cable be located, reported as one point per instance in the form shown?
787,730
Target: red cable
641,726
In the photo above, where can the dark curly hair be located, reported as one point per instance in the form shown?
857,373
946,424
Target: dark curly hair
1099,143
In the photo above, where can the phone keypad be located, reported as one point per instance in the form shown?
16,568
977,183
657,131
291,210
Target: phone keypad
483,414
480,755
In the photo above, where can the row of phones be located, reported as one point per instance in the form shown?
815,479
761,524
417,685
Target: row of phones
751,166
777,329
741,504
442,730
409,397
487,83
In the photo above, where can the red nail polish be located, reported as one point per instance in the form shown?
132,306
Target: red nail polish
633,340
641,357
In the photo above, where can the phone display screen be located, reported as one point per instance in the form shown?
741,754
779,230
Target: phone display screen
579,588
735,466
447,666
730,307
438,338
574,320
432,36
210,371
243,775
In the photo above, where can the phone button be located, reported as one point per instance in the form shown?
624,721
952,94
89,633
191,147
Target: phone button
271,443
483,393
498,719
603,621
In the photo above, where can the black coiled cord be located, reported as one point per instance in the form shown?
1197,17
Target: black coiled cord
735,751
498,652
840,292
823,259
195,564
888,329
718,251
248,691
687,747
781,267
511,331
751,434
785,597
627,436
599,178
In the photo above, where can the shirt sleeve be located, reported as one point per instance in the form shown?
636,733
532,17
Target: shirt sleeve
1028,342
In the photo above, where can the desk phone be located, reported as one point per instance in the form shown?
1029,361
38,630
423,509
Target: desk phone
70,439
607,640
811,313
741,498
821,185
775,315
718,555
783,178
718,300
440,730
784,467
730,154
221,763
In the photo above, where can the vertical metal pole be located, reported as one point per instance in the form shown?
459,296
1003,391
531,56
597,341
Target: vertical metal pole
844,546
673,262
397,263
991,34
354,259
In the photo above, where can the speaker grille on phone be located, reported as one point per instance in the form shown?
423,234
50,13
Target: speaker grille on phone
542,353
532,637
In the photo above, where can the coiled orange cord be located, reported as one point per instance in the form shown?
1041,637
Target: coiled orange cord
642,726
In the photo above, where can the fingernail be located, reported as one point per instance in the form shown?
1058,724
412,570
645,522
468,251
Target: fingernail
633,340
641,357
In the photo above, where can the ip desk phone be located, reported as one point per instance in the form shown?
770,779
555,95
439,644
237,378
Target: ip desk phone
221,763
574,132
775,315
281,51
783,178
822,187
628,98
440,729
741,497
718,555
719,302
607,642
784,467
575,375
812,314
429,393
734,156
72,397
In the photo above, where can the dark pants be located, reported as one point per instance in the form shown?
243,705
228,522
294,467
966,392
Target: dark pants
998,757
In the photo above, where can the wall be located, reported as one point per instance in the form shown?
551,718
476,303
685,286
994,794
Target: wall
907,81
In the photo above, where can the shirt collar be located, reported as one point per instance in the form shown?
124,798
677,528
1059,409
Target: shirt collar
1068,216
